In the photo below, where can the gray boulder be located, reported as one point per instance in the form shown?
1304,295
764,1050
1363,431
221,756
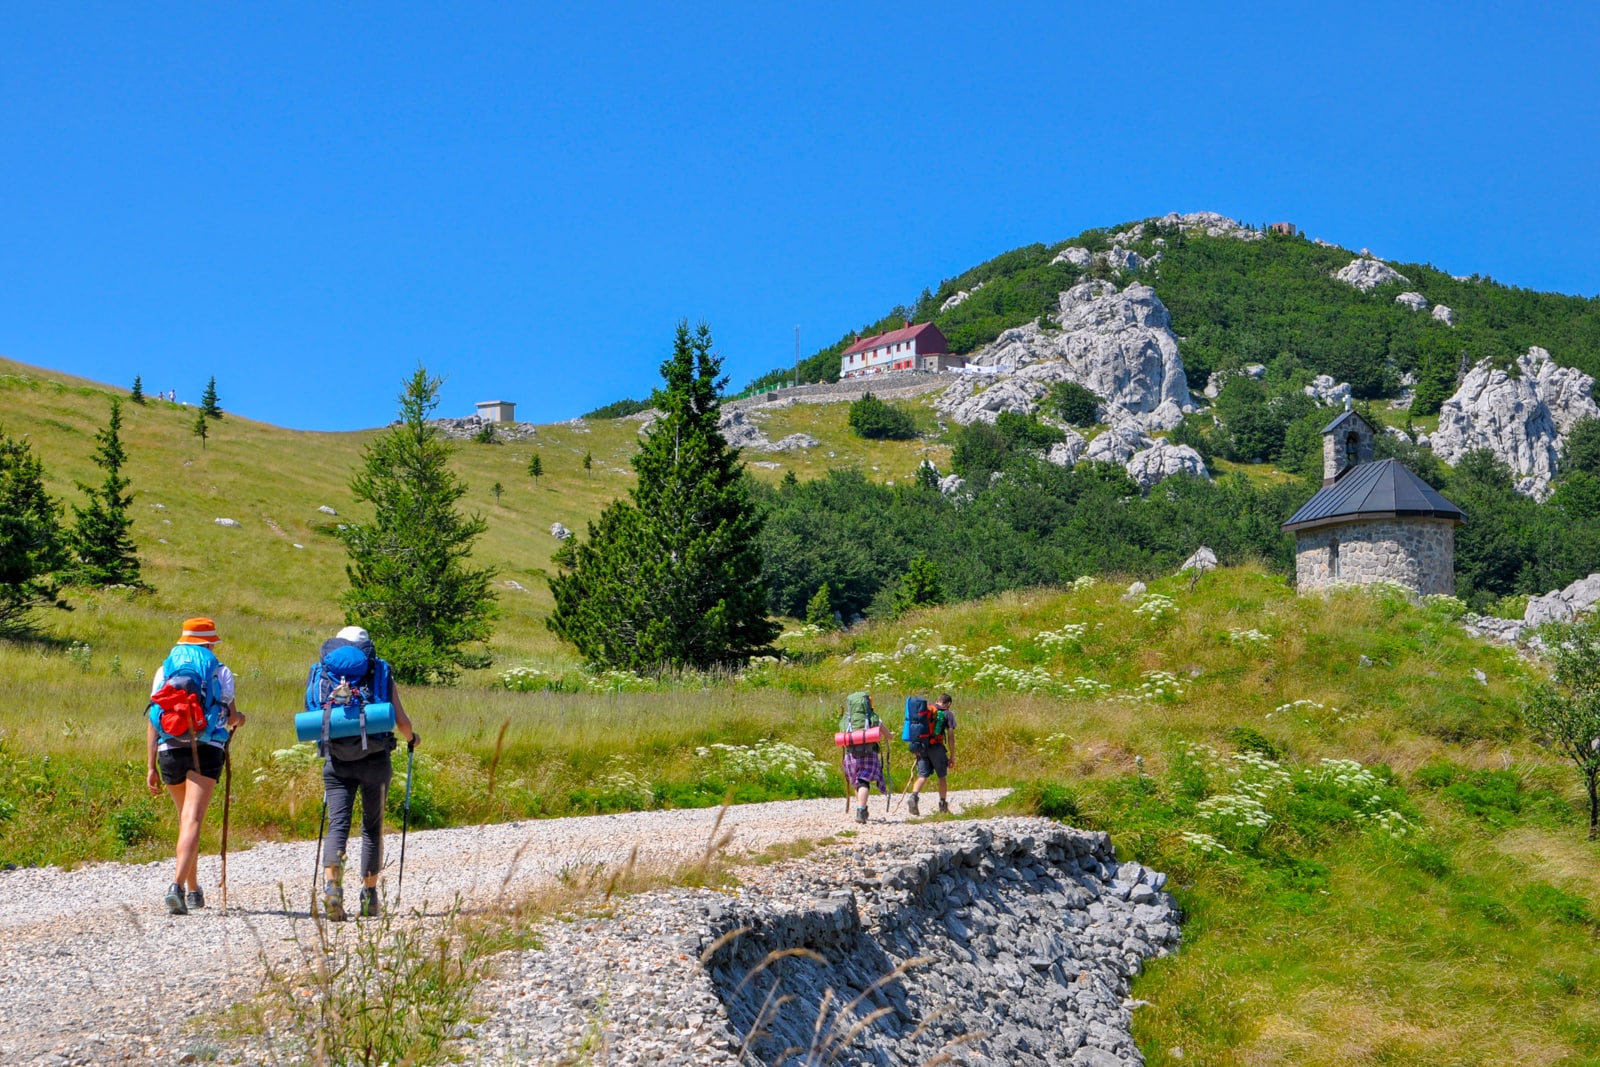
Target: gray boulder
952,484
1203,560
1520,419
233,523
792,443
1078,257
1123,259
1324,390
1066,453
326,510
1367,274
1161,461
1414,301
1444,315
1211,224
1564,605
1117,445
559,531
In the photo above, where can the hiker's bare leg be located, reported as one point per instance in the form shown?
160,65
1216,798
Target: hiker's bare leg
944,790
861,796
192,796
916,787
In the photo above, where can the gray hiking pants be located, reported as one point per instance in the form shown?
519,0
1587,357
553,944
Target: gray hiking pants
341,781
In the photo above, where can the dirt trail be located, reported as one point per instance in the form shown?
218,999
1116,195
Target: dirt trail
93,970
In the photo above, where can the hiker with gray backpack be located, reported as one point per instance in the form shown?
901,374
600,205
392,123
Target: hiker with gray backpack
353,711
860,736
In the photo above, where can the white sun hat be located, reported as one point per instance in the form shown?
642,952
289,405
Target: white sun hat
355,634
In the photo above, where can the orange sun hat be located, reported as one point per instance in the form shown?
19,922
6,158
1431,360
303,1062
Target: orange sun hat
198,631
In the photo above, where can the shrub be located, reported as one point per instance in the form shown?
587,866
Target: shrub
1077,405
873,419
1050,800
133,825
1249,739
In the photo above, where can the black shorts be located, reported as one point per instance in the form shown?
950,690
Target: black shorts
177,762
932,760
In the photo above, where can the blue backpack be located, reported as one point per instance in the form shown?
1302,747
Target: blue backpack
924,725
346,675
193,669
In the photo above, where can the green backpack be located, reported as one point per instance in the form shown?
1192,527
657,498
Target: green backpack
858,713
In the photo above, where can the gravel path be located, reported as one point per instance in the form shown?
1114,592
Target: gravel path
91,964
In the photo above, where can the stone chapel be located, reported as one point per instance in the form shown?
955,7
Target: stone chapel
1372,521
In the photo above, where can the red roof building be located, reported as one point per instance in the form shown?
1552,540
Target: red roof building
920,347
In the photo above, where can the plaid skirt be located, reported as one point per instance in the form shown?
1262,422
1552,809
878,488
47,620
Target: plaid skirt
865,768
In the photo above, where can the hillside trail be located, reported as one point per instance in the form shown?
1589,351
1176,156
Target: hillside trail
93,970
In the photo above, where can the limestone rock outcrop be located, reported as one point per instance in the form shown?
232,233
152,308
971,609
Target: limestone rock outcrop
1117,344
1367,274
952,484
1563,605
1117,445
1324,390
1161,461
1520,419
959,298
1203,560
1211,223
1444,315
1068,452
1078,257
559,531
1414,301
741,430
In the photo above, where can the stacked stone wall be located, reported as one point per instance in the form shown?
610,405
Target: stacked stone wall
1416,553
893,385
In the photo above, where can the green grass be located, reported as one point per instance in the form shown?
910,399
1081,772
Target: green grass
1319,938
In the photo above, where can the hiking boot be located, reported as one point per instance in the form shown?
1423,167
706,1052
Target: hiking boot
861,815
911,804
197,898
370,908
333,902
174,900
944,807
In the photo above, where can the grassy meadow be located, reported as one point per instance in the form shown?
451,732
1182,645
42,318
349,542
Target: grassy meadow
1377,867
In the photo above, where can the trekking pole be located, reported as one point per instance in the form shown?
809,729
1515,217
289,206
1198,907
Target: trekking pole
227,797
888,776
405,820
316,869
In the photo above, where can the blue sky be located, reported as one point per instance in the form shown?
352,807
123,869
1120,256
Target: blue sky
309,200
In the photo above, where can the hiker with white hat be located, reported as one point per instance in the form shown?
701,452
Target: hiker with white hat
349,674
188,723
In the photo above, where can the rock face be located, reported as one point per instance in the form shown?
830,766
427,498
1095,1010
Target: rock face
1444,315
1210,222
1066,453
1117,445
1414,301
1161,461
1367,274
1564,605
1324,390
1119,345
1029,934
1078,257
957,299
1520,419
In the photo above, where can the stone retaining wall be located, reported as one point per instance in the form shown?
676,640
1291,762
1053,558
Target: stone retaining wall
897,385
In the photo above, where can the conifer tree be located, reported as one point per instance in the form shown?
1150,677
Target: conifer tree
497,489
101,541
671,577
200,428
920,587
535,467
588,463
412,585
208,400
819,609
137,395
32,545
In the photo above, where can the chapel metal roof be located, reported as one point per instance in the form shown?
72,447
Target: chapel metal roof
1382,490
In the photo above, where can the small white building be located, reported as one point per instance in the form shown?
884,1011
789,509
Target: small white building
920,347
497,411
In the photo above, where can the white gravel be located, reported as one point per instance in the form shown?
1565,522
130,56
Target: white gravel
93,970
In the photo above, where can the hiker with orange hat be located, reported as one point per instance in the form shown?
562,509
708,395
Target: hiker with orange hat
191,715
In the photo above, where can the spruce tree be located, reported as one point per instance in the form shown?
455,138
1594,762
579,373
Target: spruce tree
671,577
32,545
208,400
137,395
588,463
101,541
819,609
412,585
497,489
535,468
920,587
200,428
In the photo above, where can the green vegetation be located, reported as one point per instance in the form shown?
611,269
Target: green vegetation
136,395
535,468
819,609
200,427
32,545
101,540
411,581
1565,712
1077,405
873,419
920,587
209,406
671,579
618,409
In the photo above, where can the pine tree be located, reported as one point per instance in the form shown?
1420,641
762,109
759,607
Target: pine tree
411,583
671,577
208,400
819,609
137,395
32,544
588,463
535,467
920,587
200,428
101,541
497,489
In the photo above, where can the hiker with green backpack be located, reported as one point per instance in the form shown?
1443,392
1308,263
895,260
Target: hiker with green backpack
860,736
188,726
